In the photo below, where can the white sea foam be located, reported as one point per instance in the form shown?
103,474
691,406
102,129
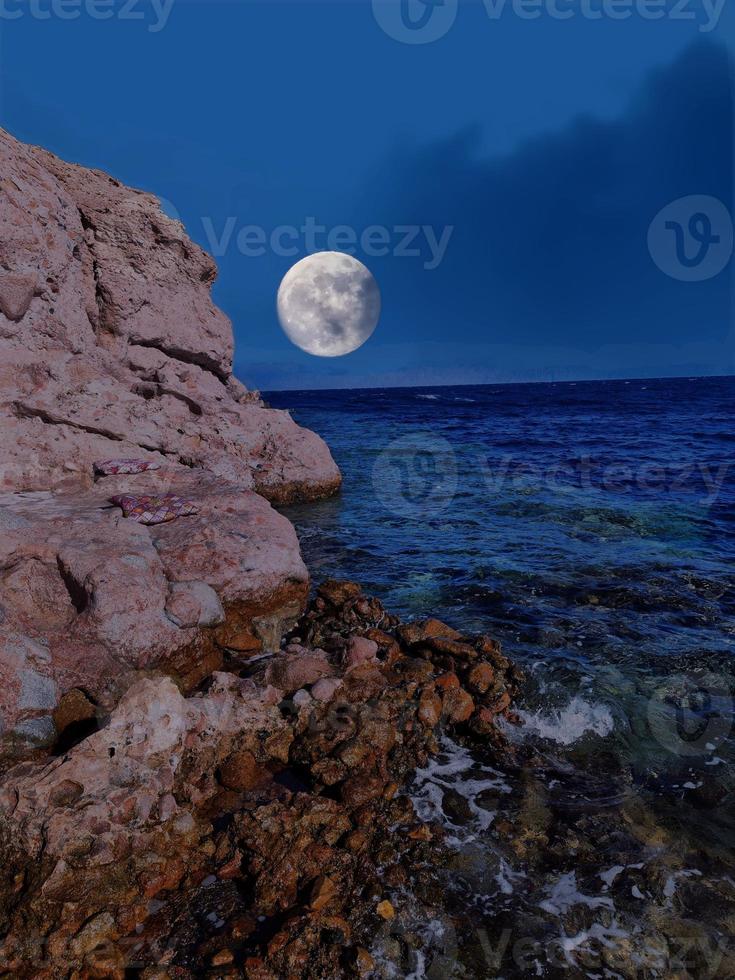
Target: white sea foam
565,725
455,769
564,894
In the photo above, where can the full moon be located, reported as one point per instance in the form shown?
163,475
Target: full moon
328,304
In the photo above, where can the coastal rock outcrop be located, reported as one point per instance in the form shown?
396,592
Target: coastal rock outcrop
198,775
111,346
244,830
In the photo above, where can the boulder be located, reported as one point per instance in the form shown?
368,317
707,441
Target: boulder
89,598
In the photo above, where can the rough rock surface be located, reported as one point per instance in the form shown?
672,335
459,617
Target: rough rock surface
88,598
237,832
110,347
110,344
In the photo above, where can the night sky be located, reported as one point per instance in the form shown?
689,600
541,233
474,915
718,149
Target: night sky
526,158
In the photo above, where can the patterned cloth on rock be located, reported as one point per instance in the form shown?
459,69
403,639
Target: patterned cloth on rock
146,509
112,467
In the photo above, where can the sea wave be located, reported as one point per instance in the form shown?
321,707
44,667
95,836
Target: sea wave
567,724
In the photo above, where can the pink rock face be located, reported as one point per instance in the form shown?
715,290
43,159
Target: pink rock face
326,688
132,792
360,650
89,598
111,348
110,345
289,672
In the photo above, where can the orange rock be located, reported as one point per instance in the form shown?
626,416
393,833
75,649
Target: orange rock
501,704
241,771
451,647
255,969
481,677
323,891
357,840
422,630
278,942
74,707
447,681
243,926
339,924
421,833
165,878
430,709
385,910
223,957
458,705
364,961
362,789
242,641
232,868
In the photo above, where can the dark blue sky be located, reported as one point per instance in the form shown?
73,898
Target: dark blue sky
546,146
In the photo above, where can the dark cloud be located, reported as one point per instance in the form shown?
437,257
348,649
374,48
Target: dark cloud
550,242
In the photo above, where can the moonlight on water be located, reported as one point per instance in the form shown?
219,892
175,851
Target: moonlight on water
328,304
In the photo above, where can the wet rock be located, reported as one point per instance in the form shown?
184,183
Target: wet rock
385,910
338,592
430,709
447,682
421,631
457,705
226,822
223,958
364,962
481,678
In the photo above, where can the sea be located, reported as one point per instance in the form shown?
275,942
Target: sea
590,527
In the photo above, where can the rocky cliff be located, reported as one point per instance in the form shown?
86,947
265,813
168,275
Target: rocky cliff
199,778
110,346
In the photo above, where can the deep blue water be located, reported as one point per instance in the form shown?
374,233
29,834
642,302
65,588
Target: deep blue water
589,526
513,506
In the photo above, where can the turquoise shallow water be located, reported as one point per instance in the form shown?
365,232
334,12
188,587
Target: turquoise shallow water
590,527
